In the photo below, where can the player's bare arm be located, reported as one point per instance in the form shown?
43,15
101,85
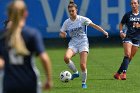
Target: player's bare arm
63,34
122,34
99,29
46,63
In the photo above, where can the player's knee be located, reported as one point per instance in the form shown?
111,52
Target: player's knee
128,55
66,59
83,66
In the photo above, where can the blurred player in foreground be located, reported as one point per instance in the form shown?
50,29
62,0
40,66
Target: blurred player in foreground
18,46
76,26
131,38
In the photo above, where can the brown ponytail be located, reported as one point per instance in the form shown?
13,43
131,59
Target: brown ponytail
72,4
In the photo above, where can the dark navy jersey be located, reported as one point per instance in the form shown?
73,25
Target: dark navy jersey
19,70
128,19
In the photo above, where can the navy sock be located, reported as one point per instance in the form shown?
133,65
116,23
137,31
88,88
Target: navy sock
124,65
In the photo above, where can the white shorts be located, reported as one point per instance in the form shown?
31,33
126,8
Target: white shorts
79,46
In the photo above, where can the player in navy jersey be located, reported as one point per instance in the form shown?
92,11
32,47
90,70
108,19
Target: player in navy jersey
131,38
18,46
76,26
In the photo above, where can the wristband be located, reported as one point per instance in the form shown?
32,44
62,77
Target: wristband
121,31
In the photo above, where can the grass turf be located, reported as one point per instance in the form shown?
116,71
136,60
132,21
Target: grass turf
102,63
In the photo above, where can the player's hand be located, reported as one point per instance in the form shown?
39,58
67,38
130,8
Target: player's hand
48,85
106,34
1,63
122,35
63,34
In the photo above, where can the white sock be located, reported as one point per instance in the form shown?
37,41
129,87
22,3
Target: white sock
72,66
84,77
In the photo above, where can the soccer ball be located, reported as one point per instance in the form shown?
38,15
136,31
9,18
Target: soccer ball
65,76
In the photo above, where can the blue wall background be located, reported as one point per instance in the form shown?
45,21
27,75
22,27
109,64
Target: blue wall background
48,15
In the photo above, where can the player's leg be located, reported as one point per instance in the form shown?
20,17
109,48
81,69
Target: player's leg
67,58
127,53
84,50
134,49
83,62
68,55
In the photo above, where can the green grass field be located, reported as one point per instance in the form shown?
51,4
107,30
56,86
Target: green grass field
102,63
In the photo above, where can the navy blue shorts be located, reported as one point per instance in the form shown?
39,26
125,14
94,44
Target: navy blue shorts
132,41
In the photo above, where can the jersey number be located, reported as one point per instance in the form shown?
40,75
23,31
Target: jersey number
14,58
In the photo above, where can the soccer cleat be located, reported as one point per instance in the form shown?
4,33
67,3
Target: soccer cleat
84,86
75,75
117,76
123,76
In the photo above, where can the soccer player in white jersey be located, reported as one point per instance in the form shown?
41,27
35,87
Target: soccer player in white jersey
75,26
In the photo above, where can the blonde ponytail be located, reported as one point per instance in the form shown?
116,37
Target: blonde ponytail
15,40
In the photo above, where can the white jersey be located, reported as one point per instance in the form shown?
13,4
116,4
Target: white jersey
77,30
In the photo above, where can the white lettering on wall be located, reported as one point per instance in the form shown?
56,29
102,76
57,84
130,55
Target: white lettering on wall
54,24
105,11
